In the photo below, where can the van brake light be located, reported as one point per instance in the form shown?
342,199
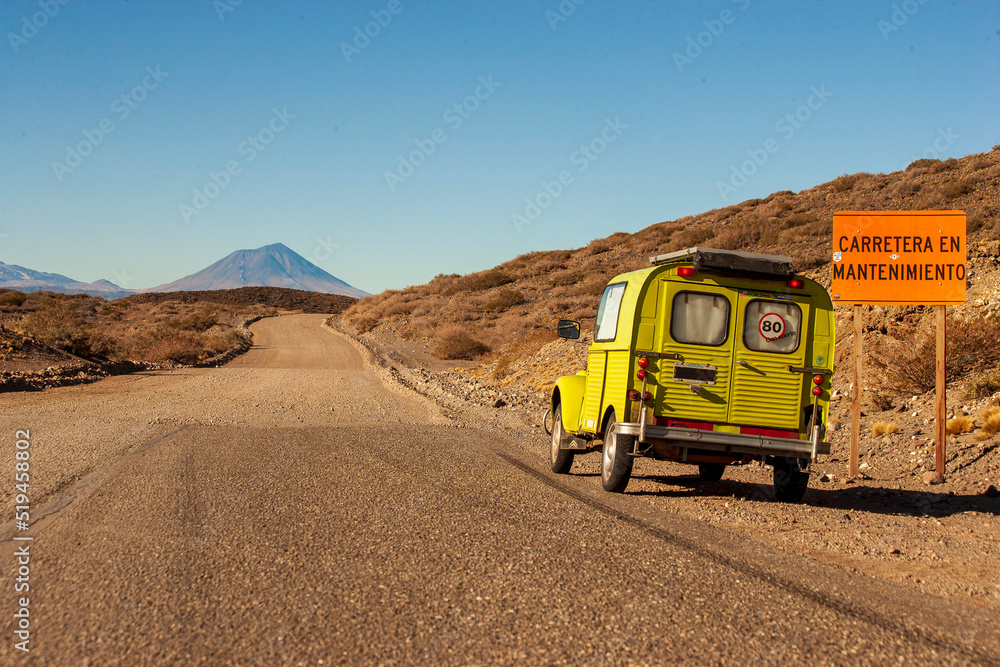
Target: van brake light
795,283
686,272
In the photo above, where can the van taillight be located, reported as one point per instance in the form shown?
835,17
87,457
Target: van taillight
641,374
686,272
796,283
817,391
643,362
817,379
634,395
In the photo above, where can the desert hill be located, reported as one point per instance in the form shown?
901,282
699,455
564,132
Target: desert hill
511,309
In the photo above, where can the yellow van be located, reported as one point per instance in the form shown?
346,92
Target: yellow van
709,357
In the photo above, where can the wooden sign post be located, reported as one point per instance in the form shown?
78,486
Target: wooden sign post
897,258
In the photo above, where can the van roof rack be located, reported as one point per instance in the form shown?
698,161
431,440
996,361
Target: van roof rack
730,260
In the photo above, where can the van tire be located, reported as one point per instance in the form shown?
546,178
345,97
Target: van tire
711,472
790,482
560,460
616,464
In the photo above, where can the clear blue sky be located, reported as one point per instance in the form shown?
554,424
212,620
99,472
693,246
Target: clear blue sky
896,80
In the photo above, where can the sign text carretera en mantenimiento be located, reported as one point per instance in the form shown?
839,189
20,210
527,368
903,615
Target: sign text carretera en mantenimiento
899,257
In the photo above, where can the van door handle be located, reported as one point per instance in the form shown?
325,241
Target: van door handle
746,365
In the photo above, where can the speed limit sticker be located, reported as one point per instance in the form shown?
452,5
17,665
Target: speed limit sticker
771,327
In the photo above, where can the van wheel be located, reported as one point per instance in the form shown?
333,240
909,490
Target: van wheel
790,482
560,460
616,464
711,472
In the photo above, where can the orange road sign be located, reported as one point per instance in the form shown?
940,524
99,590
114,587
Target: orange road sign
899,257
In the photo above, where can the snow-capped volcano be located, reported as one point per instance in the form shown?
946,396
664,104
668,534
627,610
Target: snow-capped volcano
273,265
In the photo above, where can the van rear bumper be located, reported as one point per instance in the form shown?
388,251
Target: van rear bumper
736,443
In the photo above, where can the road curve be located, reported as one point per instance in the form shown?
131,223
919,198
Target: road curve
291,509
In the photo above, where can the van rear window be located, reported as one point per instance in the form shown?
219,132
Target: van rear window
772,326
607,313
698,318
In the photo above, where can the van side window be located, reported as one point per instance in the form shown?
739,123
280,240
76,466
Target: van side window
607,313
772,326
699,319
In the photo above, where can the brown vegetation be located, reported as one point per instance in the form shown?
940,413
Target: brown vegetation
171,327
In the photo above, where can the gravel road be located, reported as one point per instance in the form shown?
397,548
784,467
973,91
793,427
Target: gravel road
292,508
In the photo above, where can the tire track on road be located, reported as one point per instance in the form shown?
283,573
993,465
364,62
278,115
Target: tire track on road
772,578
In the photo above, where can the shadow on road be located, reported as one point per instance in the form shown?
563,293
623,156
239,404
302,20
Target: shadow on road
861,498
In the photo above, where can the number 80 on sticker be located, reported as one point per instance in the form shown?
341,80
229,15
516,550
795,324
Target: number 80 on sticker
772,326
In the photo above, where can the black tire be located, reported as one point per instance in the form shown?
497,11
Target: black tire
616,464
790,482
560,460
711,472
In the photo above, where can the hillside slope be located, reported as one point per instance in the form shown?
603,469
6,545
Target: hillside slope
519,300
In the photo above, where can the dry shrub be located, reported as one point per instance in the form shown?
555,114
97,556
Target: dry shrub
599,246
923,163
944,165
991,423
880,428
962,424
12,298
567,278
201,321
590,287
690,238
504,299
58,324
365,322
982,384
844,183
881,401
972,346
739,236
952,189
478,282
979,163
458,343
797,220
905,188
930,200
441,282
170,344
519,350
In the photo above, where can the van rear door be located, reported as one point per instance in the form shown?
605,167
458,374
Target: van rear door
699,328
769,337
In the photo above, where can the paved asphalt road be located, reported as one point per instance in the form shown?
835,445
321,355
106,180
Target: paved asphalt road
291,509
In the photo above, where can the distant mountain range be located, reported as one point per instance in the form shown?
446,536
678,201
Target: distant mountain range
19,278
273,265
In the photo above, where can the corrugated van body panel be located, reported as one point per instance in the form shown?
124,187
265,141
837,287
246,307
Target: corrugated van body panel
616,381
711,403
595,383
764,391
769,399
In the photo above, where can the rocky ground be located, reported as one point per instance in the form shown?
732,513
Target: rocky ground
890,522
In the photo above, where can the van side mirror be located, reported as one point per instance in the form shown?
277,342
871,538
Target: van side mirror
568,329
